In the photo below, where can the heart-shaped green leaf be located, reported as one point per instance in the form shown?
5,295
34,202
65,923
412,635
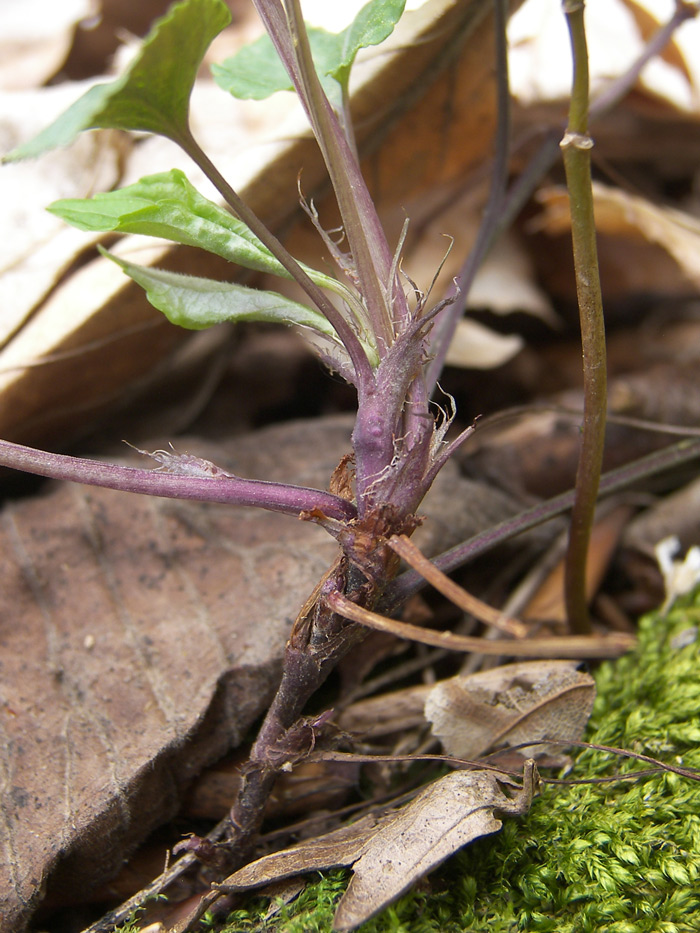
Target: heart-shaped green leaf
153,94
256,71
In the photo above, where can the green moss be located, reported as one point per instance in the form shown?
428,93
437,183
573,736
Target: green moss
611,858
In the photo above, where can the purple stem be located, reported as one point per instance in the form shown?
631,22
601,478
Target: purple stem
459,290
363,229
232,490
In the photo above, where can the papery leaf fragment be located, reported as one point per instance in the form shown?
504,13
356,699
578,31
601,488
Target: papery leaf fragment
391,852
511,704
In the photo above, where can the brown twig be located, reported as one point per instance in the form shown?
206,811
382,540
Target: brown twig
568,646
414,557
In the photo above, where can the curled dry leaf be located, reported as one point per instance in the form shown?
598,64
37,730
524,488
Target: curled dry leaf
477,347
391,852
648,249
523,702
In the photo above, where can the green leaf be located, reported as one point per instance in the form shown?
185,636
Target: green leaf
253,73
167,205
256,71
153,94
196,303
373,24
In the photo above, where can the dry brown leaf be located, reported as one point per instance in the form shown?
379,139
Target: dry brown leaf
392,852
645,249
454,811
140,639
529,701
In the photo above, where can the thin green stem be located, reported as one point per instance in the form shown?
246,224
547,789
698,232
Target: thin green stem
576,147
495,222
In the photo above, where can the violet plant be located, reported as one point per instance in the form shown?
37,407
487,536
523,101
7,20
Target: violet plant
360,322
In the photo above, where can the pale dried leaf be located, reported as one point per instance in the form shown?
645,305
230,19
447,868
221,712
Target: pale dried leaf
477,347
392,852
540,59
140,639
96,332
531,701
35,246
506,280
506,283
639,240
35,37
649,19
452,812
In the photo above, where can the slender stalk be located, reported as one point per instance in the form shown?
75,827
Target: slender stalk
500,213
576,147
370,251
556,646
347,335
219,486
490,226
